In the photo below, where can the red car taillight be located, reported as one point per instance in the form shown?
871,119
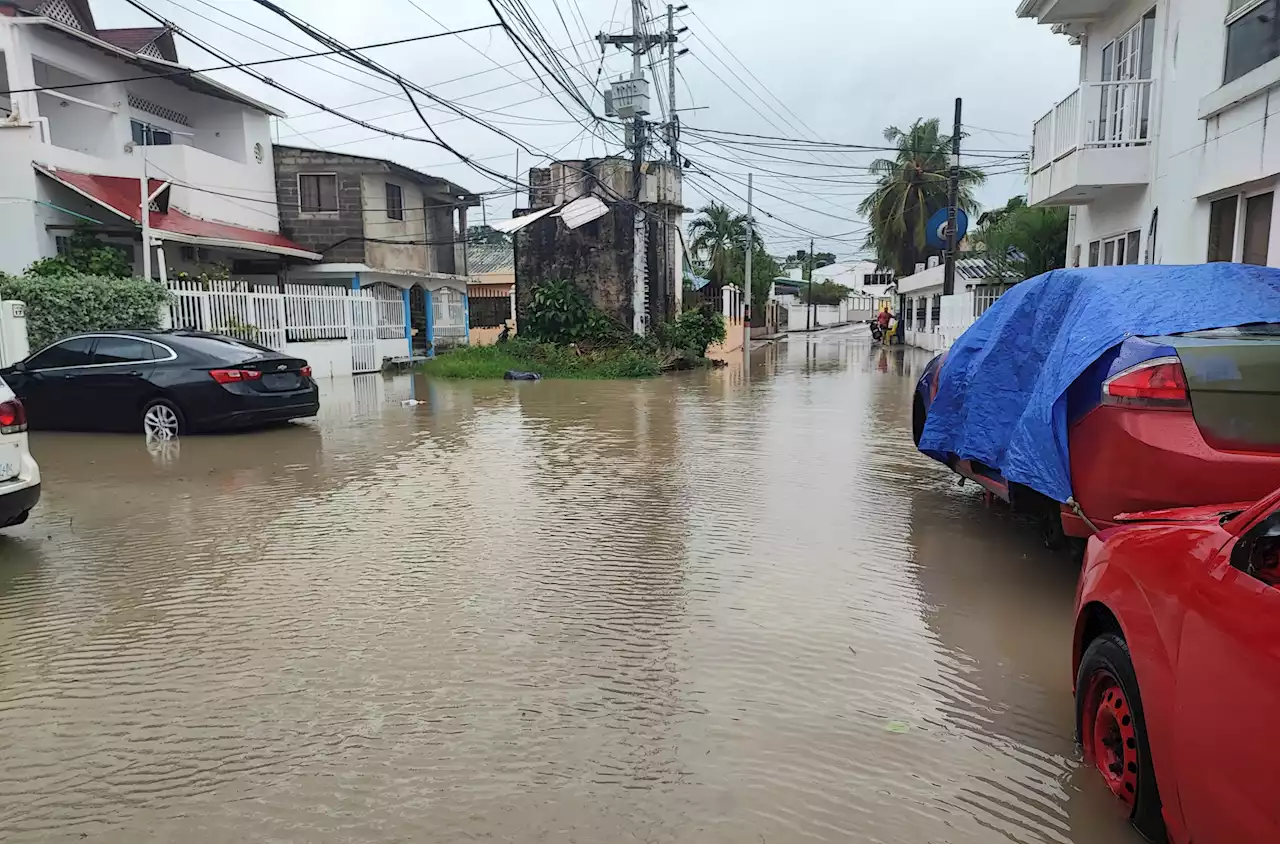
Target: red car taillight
13,417
1158,384
305,372
234,376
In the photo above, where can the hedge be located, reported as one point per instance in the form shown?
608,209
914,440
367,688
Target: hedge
69,304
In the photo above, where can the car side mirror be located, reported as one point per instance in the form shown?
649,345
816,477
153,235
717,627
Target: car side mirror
1255,550
20,366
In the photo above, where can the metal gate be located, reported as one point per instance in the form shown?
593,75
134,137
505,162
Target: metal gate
363,319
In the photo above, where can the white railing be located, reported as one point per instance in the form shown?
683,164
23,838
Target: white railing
390,307
731,303
448,316
315,312
1099,114
235,308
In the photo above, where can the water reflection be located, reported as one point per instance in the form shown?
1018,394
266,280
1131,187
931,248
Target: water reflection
700,608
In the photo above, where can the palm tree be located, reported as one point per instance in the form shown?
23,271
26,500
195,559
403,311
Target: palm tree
715,237
910,188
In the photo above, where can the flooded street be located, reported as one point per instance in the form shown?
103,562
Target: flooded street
705,608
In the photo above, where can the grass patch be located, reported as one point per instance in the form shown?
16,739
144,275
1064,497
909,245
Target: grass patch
546,359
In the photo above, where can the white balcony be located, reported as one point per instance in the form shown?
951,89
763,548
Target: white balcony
1066,12
1095,141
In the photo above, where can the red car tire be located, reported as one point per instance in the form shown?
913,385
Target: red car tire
1113,733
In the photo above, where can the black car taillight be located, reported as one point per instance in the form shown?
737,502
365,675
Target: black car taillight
13,417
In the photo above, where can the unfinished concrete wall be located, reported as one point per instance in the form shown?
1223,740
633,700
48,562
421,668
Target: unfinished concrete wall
320,231
596,257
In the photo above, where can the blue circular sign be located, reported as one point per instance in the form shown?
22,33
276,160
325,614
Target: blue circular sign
936,229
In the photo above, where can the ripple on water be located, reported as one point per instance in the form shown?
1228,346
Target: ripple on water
680,610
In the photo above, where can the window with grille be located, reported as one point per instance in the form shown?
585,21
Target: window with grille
395,202
317,192
489,311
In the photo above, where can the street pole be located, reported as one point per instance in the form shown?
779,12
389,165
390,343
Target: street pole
953,197
808,308
673,126
144,208
639,46
746,286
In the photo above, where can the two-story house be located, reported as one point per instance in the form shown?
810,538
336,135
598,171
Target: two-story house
375,222
1166,152
87,113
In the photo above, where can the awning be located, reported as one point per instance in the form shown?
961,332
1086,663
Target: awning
120,195
583,210
515,224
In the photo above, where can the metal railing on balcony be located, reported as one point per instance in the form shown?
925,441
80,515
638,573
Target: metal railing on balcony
1098,114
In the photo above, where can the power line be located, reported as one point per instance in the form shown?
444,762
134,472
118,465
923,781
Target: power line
237,65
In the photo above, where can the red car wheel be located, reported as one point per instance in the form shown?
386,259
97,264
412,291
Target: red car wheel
1112,731
1110,737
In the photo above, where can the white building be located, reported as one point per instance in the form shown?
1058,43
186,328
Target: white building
73,138
865,277
933,321
1167,151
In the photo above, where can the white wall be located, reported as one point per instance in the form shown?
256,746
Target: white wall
1194,159
219,158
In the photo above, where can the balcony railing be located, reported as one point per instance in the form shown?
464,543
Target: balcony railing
1098,114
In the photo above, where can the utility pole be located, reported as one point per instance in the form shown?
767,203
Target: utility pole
144,211
953,197
673,124
808,308
746,286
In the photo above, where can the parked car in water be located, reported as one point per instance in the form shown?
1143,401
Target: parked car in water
163,383
1177,658
1155,422
19,473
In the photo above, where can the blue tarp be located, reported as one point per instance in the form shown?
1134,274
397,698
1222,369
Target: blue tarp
1002,391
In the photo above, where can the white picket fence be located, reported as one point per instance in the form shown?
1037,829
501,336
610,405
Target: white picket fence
275,315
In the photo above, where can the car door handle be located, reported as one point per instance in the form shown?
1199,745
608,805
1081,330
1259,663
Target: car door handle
69,377
137,373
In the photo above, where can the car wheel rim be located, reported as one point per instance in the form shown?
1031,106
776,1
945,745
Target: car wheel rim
1111,740
161,423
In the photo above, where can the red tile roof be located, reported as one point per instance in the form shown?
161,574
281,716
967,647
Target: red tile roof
121,195
133,39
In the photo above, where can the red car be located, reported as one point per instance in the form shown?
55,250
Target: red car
1177,658
1155,422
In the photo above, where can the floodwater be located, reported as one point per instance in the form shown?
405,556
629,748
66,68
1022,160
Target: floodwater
705,608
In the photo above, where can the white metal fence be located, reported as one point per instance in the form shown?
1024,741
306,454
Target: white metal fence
301,313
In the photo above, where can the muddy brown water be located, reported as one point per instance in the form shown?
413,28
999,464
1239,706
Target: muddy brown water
699,609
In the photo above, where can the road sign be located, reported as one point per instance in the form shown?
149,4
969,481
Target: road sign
936,230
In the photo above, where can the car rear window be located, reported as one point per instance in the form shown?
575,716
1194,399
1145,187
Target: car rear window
1257,330
225,349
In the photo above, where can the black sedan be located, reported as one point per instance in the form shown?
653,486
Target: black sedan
164,383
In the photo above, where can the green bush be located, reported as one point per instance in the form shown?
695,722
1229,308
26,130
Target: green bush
561,313
547,359
693,331
68,304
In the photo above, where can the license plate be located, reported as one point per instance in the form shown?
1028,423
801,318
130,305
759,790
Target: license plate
10,461
281,381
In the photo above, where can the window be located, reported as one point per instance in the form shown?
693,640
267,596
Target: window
144,134
395,202
1257,228
73,352
317,193
1117,251
123,350
1253,36
877,279
1222,229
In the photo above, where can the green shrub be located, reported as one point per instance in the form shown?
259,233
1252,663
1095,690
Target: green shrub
68,304
693,331
547,359
85,254
561,313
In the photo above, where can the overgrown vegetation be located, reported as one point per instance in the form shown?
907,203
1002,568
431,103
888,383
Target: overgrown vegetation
84,254
1026,241
565,336
71,303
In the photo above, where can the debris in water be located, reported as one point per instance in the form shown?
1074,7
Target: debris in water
514,375
411,403
898,727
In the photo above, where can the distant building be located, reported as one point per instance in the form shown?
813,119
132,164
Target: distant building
865,277
491,290
376,222
1166,151
933,321
580,225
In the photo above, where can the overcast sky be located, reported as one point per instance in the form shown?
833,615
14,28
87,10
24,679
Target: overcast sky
839,72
